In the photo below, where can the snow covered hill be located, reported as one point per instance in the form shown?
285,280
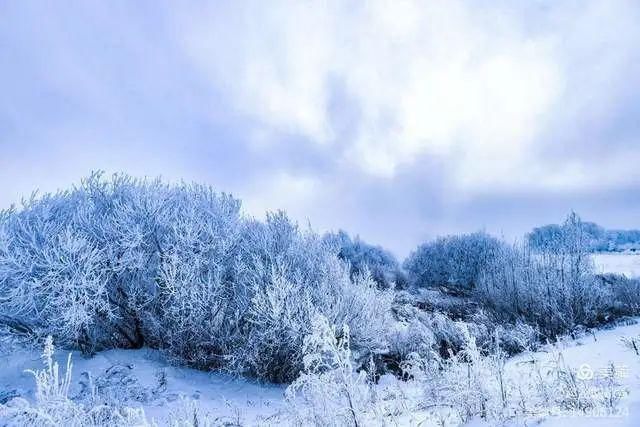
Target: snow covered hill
618,262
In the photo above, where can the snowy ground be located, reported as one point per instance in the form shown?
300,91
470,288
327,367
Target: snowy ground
623,263
243,402
231,400
594,353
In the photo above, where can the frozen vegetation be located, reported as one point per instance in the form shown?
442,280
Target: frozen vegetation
128,302
599,239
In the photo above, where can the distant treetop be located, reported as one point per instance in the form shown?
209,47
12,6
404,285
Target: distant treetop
600,239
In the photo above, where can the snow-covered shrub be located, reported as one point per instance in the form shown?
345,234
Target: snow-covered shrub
512,338
414,337
81,264
87,264
292,276
364,257
450,335
428,334
51,275
600,239
548,283
516,338
125,263
472,385
193,314
466,385
452,262
625,294
555,289
330,392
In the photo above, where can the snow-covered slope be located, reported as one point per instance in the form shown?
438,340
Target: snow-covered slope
621,263
141,378
592,354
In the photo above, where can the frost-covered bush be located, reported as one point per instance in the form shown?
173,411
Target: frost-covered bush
452,262
549,283
330,392
463,386
554,289
82,264
476,383
51,275
450,335
625,294
124,263
196,301
428,334
620,240
413,336
364,257
522,288
516,338
283,278
599,239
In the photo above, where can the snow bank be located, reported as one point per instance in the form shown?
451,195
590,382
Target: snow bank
621,263
141,378
592,354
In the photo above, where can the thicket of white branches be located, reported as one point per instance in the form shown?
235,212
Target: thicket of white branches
552,287
125,263
451,262
366,258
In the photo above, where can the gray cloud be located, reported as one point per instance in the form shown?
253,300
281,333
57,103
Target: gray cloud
398,121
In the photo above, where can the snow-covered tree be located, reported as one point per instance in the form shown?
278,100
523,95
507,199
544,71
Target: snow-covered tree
452,262
364,257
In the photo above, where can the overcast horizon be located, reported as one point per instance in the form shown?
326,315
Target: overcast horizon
395,121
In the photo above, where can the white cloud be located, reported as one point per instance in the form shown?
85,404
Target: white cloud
281,190
439,79
474,87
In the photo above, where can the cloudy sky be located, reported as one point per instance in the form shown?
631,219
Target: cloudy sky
394,120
